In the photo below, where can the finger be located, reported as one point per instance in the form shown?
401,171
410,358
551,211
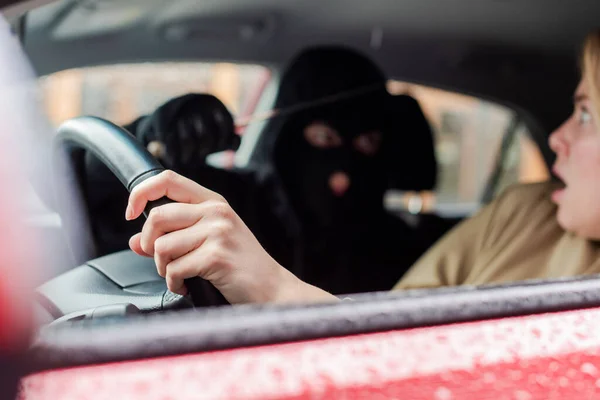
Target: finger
176,286
180,269
134,244
202,262
177,244
168,218
167,184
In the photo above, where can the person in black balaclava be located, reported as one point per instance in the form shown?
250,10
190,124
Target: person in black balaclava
330,160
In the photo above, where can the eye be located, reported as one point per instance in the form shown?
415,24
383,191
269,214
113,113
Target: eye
368,143
584,116
321,135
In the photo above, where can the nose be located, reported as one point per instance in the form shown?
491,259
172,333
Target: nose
339,182
559,140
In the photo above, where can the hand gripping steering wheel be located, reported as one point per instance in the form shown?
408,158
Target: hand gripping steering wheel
131,163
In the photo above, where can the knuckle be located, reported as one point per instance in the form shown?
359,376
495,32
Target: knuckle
219,198
160,267
156,216
216,257
162,247
213,259
222,210
146,246
169,176
222,229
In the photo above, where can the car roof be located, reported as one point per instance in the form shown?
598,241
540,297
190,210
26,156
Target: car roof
271,31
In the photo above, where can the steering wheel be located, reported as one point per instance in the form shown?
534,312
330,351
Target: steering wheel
132,164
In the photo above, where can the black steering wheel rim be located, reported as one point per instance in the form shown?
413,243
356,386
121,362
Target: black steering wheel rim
129,161
116,148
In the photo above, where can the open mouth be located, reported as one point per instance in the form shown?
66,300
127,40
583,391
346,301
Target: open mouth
558,194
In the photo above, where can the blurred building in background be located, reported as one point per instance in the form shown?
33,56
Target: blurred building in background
468,135
121,93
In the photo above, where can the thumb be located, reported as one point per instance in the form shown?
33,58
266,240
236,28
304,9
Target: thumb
135,245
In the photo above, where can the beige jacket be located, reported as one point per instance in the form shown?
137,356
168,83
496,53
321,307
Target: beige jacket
514,238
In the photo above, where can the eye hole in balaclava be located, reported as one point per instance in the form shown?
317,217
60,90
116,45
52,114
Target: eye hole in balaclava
368,143
321,135
330,162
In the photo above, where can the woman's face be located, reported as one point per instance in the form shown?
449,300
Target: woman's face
577,146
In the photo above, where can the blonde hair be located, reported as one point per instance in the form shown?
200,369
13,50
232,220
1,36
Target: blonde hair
590,68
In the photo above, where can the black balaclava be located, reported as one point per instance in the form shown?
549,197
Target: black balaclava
308,172
345,91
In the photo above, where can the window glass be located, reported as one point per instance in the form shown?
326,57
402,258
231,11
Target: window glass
469,134
123,92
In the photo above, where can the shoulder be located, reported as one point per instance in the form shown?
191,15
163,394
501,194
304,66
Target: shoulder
520,208
522,197
527,191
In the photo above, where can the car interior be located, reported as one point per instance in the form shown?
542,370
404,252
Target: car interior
519,57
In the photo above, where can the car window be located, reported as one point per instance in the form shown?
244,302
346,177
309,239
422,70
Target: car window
469,135
123,92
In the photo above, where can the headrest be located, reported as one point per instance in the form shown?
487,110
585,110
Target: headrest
410,146
190,127
320,72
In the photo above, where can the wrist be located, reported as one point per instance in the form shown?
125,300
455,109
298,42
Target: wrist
291,289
